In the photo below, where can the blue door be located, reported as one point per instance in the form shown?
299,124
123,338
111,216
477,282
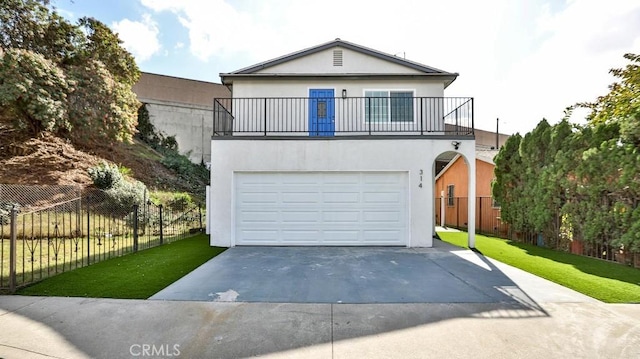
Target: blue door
321,112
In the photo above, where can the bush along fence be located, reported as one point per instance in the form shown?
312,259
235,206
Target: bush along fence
36,243
452,212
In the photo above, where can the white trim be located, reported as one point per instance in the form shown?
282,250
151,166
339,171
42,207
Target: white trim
388,121
233,209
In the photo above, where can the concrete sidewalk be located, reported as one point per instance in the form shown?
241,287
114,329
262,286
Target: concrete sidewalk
42,327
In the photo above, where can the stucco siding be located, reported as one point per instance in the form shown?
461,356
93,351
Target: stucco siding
413,156
253,108
352,63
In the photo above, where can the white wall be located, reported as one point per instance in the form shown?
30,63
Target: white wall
416,156
291,110
353,62
192,125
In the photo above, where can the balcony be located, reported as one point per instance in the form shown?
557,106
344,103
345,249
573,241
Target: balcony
323,117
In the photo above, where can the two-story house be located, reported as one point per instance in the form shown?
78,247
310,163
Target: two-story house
334,145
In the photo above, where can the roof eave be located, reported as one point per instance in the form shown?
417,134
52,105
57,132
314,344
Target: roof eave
340,43
449,78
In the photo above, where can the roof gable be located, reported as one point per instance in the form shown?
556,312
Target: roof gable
318,60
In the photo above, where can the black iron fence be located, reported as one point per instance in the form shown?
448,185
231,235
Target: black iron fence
39,243
350,116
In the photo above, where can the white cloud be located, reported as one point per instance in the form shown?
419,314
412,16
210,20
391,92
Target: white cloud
215,27
581,43
139,37
522,61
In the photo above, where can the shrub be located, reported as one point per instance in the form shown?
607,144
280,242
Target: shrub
121,193
122,197
5,211
179,201
105,176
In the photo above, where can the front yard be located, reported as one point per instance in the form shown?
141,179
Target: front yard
606,281
134,276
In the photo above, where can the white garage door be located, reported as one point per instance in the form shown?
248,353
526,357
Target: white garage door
321,208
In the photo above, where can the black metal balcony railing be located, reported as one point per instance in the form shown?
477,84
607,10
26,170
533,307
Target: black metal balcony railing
335,116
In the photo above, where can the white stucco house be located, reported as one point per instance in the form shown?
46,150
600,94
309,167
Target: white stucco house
334,145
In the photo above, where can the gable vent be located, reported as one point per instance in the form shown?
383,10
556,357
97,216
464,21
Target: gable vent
337,57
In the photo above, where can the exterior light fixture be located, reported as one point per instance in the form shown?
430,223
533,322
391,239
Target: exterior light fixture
344,93
455,144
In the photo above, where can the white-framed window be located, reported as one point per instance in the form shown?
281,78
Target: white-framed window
450,195
384,106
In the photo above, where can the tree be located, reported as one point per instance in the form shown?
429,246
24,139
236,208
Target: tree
622,104
30,25
33,92
507,187
82,75
105,46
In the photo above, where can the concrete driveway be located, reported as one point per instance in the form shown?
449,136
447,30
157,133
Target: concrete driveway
497,312
356,275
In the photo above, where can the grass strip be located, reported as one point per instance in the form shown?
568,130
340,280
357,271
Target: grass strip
606,281
134,276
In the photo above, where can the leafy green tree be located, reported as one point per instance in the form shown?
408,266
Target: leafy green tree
100,102
82,74
105,46
30,25
507,187
33,91
622,104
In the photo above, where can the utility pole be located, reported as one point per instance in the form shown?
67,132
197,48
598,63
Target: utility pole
497,133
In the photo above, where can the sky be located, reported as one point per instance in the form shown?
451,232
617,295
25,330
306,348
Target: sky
521,60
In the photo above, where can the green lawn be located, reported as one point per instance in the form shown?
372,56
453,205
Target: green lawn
134,276
605,281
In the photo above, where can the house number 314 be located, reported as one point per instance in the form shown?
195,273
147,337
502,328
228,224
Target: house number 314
420,182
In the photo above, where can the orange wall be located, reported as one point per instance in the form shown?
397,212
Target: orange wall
457,176
487,217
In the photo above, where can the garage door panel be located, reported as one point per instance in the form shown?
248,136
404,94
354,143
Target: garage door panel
382,178
341,217
387,236
321,208
258,216
300,197
344,237
341,197
300,217
383,217
382,197
260,236
341,179
299,236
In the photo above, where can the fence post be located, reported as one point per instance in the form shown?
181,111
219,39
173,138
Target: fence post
88,232
479,215
161,234
458,211
13,228
135,227
369,111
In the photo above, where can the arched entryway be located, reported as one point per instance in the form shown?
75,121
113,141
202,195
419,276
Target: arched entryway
454,183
